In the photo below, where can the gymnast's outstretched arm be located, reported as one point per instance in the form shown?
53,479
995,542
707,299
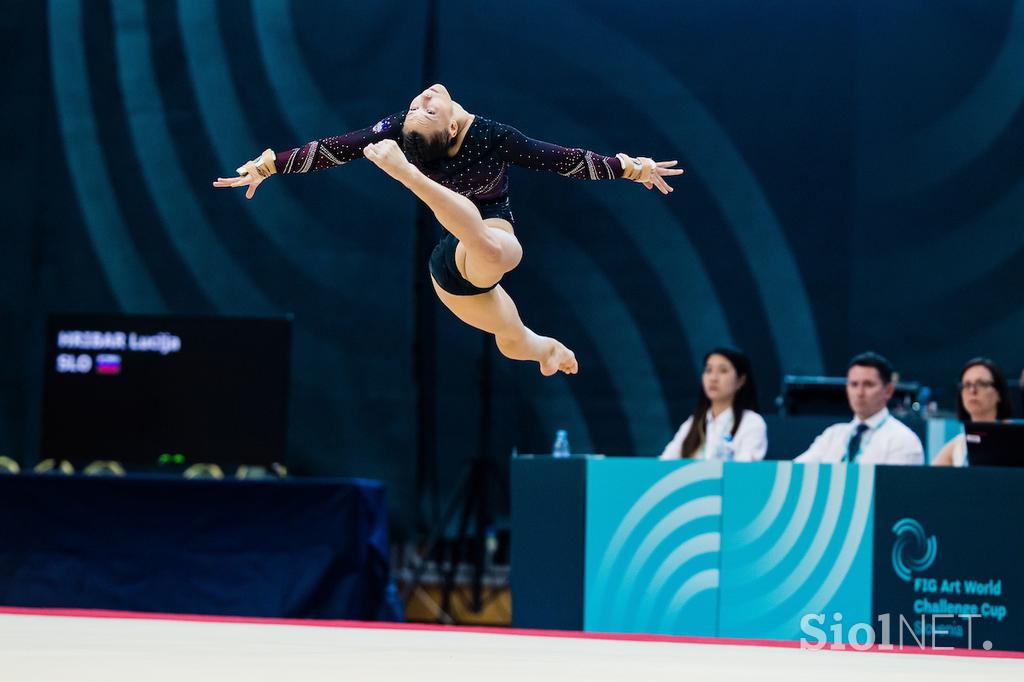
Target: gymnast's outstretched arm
328,152
519,150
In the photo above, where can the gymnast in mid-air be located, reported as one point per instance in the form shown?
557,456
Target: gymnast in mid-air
457,164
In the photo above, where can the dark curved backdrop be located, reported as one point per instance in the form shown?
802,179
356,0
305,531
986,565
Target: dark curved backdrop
854,182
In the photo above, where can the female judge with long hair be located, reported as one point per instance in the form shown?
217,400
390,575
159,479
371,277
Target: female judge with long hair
725,425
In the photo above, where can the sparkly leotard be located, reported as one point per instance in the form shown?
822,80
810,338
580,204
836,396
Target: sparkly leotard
478,171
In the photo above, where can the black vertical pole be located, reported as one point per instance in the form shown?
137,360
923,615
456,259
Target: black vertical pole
425,328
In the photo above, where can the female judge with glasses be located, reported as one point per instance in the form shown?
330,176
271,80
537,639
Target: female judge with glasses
983,396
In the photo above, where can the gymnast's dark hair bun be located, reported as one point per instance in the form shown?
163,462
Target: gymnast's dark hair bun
424,151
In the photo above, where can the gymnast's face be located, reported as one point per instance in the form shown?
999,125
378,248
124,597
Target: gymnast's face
431,112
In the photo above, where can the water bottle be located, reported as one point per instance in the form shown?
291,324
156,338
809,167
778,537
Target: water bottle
561,446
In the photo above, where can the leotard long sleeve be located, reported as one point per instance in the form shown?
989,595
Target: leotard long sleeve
480,168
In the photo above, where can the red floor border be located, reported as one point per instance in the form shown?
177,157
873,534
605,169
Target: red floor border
568,634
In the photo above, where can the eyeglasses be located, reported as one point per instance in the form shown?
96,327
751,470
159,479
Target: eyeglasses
980,385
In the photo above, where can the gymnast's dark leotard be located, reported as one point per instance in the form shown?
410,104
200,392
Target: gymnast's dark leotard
478,171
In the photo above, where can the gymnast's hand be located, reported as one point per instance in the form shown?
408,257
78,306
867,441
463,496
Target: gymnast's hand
648,172
389,158
251,174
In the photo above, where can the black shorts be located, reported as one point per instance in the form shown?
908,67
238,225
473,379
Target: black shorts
442,260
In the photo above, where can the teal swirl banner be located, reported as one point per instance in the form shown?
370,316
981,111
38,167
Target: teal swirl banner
653,537
795,541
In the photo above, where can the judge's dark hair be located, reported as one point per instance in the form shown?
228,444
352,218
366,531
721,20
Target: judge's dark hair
875,360
745,399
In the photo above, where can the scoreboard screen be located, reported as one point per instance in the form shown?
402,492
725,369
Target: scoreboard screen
148,390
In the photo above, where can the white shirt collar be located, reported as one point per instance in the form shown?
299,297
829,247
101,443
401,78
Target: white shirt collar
874,421
726,414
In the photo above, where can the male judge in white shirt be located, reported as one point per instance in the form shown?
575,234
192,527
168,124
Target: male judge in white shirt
873,436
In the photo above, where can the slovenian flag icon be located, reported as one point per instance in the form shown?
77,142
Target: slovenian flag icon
108,364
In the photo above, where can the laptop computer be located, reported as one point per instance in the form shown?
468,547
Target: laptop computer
995,444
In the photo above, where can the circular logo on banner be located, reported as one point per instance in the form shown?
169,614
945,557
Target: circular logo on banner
912,551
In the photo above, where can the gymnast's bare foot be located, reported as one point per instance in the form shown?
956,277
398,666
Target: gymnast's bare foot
558,359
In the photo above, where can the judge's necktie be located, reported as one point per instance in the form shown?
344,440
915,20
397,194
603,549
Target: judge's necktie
853,448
